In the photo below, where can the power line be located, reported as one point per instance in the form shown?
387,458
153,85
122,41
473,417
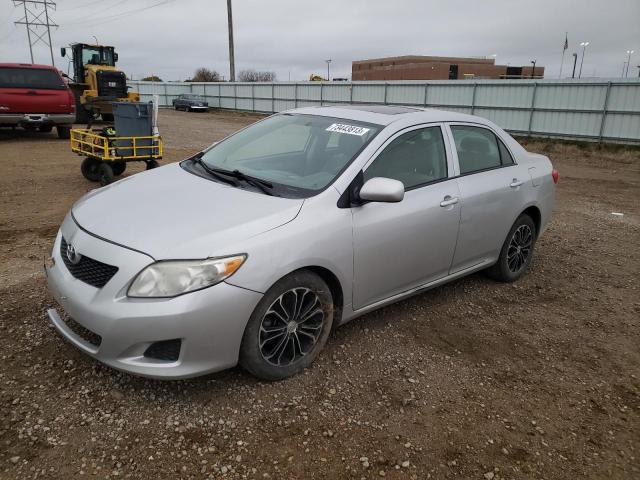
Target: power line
117,16
81,19
33,19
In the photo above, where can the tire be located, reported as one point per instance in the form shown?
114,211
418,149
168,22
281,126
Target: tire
46,128
90,169
64,132
118,167
151,164
264,354
106,173
517,251
107,117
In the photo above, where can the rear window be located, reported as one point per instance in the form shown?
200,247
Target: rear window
35,78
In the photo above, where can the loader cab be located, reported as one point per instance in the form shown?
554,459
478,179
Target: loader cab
83,55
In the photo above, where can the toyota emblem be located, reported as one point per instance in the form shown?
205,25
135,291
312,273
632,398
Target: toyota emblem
72,255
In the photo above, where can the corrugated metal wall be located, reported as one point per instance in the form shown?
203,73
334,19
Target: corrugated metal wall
577,109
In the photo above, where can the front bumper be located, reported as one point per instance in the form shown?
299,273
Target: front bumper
198,107
37,119
210,322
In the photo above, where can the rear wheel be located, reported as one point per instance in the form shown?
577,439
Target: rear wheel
63,132
151,164
516,252
119,167
89,168
288,328
106,173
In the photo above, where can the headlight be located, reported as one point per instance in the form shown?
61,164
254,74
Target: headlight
175,277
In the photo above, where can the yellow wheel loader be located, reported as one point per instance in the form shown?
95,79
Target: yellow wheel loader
96,82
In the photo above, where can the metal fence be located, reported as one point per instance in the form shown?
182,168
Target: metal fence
599,110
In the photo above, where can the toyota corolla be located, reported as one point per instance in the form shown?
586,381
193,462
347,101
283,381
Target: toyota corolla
253,250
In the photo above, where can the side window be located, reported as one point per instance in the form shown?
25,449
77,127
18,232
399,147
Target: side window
505,156
477,148
415,158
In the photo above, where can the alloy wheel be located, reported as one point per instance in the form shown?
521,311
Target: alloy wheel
291,327
519,248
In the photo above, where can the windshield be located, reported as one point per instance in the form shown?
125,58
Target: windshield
97,56
36,78
300,151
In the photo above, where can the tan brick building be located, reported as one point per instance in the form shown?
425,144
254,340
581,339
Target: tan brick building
417,67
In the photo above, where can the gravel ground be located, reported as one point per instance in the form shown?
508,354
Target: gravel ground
537,379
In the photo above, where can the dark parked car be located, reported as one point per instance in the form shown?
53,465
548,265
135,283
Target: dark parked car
189,102
35,97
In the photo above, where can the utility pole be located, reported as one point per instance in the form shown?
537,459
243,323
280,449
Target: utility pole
33,18
533,70
328,63
232,61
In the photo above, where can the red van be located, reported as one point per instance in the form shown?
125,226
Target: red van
35,97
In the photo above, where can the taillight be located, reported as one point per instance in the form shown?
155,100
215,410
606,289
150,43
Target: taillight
555,175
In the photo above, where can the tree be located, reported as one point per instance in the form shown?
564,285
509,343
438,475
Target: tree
152,78
205,75
256,76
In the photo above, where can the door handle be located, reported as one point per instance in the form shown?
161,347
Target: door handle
516,183
448,200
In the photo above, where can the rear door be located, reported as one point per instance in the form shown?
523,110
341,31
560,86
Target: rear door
33,90
401,246
491,194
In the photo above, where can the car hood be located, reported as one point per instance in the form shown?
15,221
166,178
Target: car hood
169,213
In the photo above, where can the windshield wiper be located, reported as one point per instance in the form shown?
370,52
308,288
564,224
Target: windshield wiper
212,171
262,185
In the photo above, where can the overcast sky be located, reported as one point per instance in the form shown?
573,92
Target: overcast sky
171,38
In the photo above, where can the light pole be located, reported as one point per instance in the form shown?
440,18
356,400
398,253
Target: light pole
629,53
533,70
575,60
584,47
232,59
328,63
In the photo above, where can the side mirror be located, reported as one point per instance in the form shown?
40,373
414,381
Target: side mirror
63,52
381,189
115,57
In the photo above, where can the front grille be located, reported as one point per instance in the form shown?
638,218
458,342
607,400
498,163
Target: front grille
83,332
167,350
111,84
88,270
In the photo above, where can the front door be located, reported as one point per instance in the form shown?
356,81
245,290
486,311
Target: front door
400,246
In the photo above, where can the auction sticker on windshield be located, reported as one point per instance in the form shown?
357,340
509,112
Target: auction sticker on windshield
348,129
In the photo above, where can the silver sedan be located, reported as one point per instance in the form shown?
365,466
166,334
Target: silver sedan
253,250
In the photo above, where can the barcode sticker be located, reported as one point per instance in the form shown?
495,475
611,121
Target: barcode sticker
348,129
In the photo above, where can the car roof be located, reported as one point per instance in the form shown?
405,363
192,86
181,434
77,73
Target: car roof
387,114
27,65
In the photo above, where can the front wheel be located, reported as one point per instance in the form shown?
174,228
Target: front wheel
89,169
516,252
288,328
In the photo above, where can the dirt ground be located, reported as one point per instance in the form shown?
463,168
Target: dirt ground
479,380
